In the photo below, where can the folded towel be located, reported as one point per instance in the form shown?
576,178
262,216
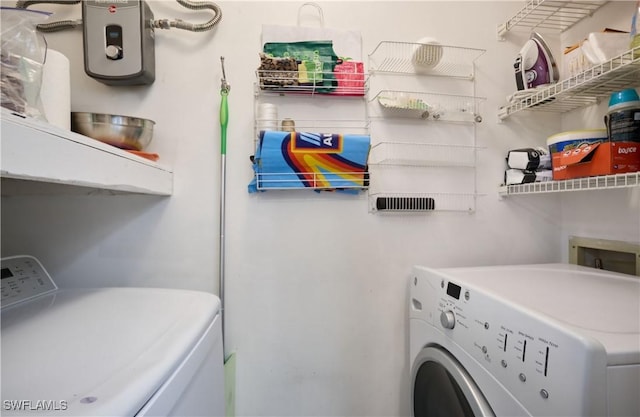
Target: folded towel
310,160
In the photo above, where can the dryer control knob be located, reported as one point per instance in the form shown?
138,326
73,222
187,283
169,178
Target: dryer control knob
447,319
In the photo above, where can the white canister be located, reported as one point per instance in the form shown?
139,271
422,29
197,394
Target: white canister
55,92
267,117
623,122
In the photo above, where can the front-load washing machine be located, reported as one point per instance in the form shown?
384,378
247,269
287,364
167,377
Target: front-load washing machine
538,340
107,351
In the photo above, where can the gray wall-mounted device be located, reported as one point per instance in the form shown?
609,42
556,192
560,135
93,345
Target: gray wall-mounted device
118,38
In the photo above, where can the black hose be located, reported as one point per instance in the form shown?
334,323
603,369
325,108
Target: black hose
58,26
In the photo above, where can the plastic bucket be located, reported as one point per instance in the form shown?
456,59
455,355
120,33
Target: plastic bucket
573,139
623,123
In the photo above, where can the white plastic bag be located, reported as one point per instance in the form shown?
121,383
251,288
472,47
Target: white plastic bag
22,55
635,27
346,43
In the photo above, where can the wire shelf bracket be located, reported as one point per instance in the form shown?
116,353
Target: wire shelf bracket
424,59
581,90
551,16
603,182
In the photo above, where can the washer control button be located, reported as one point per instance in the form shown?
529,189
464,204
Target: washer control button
522,377
503,363
544,393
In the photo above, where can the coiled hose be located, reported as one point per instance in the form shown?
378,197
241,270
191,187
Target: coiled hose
23,4
193,27
53,26
161,24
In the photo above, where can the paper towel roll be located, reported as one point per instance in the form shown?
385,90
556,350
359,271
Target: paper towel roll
55,92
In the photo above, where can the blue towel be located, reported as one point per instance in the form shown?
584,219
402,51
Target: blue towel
310,160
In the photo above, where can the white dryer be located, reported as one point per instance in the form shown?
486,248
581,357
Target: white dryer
107,351
539,340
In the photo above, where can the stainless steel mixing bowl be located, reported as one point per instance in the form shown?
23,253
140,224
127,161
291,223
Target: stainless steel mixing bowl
124,132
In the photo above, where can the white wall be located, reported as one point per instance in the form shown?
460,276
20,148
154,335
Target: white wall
316,284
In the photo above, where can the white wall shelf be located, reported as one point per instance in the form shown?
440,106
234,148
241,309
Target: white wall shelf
442,175
578,184
429,106
424,59
422,154
312,181
270,82
585,88
37,151
552,16
352,126
296,103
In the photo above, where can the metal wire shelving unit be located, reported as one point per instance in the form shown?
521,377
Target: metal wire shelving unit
313,181
431,106
554,16
423,59
603,182
441,177
325,97
327,83
344,126
414,154
585,88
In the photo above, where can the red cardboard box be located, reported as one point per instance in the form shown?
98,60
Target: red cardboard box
590,159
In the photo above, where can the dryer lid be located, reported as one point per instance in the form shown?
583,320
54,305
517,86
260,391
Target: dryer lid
98,351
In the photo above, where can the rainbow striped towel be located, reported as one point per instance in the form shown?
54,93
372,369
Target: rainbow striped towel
320,161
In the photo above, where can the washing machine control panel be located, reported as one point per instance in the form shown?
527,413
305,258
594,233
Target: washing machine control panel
529,354
23,278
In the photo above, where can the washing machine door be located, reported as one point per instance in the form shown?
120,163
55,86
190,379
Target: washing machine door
442,387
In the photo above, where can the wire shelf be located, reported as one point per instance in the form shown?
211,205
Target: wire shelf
312,181
585,88
578,184
555,16
355,127
446,107
422,202
422,154
427,59
328,84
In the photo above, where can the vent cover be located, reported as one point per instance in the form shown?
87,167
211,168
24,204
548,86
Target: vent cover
405,203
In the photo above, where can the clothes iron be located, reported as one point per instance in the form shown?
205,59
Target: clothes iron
535,66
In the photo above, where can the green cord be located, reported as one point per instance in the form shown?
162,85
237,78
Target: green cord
224,121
